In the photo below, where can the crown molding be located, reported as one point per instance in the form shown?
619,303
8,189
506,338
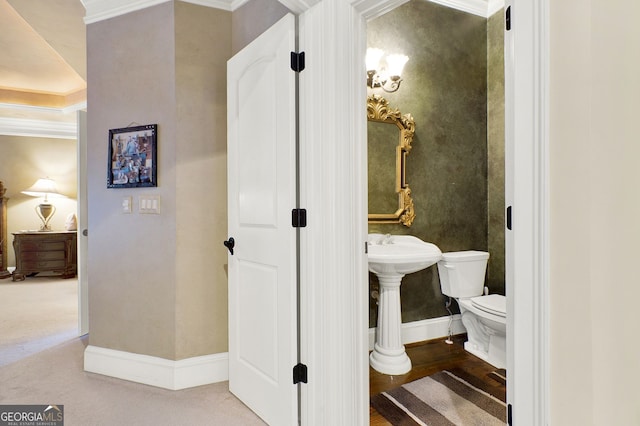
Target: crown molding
38,128
484,8
494,7
228,5
100,10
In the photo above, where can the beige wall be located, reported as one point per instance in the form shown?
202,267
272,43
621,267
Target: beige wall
157,282
595,211
22,161
252,19
202,50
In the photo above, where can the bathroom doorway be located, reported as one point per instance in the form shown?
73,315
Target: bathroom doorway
453,86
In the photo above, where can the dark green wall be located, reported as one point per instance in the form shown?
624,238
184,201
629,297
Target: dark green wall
445,88
495,157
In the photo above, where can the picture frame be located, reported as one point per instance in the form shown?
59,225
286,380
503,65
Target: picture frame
133,157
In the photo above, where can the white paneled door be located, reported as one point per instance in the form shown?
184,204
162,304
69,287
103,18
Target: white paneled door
261,195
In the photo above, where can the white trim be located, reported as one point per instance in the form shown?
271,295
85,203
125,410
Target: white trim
228,5
527,182
475,7
38,128
159,372
74,108
299,6
428,329
494,6
334,273
371,9
55,110
484,8
100,10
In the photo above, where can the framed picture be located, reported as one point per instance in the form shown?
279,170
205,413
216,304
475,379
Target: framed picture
133,157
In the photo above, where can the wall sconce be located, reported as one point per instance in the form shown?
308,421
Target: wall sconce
386,78
44,188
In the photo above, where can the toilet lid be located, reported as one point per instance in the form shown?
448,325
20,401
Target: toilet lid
493,303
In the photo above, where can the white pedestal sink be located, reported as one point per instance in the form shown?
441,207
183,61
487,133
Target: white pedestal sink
391,257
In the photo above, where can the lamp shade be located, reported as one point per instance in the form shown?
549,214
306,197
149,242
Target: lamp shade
42,188
396,64
373,58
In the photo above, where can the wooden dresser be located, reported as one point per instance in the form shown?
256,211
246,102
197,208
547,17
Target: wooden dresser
45,252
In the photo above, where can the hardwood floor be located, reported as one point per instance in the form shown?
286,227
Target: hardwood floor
428,358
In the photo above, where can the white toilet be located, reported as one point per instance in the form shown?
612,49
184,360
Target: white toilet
484,316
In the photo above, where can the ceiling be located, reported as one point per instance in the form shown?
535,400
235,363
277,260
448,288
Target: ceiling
43,61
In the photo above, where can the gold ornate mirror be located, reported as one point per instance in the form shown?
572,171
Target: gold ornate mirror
389,141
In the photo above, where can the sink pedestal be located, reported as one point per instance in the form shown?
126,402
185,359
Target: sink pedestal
391,257
389,356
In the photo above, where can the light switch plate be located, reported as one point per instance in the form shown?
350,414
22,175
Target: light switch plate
149,204
127,203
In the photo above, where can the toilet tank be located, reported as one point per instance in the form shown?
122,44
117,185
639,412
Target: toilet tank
462,273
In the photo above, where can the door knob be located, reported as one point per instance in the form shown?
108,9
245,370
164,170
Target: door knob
230,243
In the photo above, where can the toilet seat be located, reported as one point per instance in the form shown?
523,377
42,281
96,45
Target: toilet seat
495,304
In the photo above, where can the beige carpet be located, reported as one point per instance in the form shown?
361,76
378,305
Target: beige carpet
36,314
41,368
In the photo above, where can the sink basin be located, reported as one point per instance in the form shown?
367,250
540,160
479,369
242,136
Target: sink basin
400,254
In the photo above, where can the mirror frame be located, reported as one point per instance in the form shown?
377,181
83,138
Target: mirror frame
378,110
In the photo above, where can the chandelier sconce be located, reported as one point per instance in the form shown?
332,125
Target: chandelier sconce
387,78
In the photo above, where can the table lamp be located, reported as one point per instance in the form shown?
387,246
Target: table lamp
44,187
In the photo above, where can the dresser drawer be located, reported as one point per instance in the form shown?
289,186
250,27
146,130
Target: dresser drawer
42,265
43,255
41,246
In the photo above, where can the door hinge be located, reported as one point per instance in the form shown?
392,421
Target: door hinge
299,218
297,61
299,374
507,19
509,415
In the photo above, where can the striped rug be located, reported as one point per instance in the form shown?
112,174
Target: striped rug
442,399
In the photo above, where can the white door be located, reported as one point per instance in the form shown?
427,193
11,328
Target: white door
261,195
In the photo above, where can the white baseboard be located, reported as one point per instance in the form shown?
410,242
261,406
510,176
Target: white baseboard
208,369
159,372
418,331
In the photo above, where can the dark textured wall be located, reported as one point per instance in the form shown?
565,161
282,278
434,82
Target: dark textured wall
495,154
445,89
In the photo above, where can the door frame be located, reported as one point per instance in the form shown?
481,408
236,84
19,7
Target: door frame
83,208
333,267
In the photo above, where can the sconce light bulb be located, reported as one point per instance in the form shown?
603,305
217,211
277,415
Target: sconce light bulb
373,58
396,64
